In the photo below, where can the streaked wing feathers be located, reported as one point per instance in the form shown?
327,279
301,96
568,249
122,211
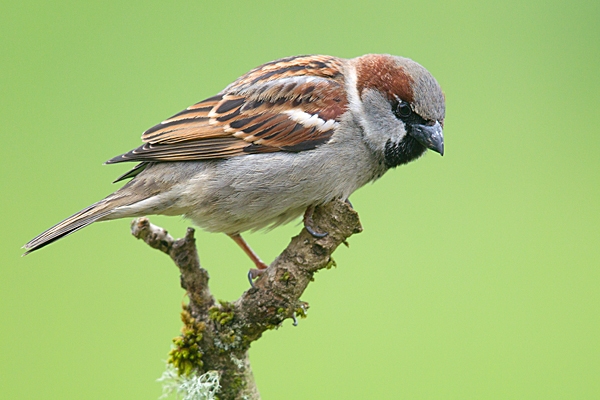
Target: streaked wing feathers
292,104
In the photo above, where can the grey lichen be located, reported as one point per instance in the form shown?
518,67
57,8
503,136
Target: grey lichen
212,349
189,387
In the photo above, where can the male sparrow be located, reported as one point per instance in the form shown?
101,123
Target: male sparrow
285,137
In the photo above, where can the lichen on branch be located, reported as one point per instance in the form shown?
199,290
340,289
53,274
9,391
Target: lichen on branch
217,335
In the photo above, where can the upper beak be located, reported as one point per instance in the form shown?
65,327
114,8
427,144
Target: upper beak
429,136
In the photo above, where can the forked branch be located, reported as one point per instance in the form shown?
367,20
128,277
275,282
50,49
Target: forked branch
217,335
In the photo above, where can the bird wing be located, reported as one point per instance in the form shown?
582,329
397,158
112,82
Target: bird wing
293,104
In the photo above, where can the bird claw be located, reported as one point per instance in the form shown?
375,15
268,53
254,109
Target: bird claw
308,222
253,274
295,323
314,233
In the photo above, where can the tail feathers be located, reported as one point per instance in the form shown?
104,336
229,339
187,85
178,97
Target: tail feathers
72,224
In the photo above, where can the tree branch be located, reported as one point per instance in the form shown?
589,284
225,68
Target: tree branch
216,337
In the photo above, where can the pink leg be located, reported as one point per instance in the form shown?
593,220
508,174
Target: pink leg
260,265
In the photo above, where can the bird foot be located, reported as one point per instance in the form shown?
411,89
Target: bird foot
253,274
308,222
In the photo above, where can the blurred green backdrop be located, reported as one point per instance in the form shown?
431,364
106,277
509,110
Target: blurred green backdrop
476,275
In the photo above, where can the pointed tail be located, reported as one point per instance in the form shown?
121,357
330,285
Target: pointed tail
77,221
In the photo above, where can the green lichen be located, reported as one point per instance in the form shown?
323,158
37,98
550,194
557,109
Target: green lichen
223,314
331,263
285,276
234,386
301,309
226,340
186,355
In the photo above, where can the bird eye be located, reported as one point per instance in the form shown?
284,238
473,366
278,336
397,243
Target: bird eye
403,110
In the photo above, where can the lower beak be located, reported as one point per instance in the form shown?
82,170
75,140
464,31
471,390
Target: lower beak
429,136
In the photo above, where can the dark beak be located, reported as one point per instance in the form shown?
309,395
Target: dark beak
429,136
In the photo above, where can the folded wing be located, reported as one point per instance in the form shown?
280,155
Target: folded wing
292,104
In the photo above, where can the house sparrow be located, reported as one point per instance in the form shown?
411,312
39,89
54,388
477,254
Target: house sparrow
285,137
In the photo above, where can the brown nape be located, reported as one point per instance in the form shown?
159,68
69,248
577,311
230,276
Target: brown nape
382,72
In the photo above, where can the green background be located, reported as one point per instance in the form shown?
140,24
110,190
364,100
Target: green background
476,275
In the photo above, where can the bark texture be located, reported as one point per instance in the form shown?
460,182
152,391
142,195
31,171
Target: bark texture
216,336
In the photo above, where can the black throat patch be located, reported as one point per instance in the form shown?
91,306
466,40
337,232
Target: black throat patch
407,150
